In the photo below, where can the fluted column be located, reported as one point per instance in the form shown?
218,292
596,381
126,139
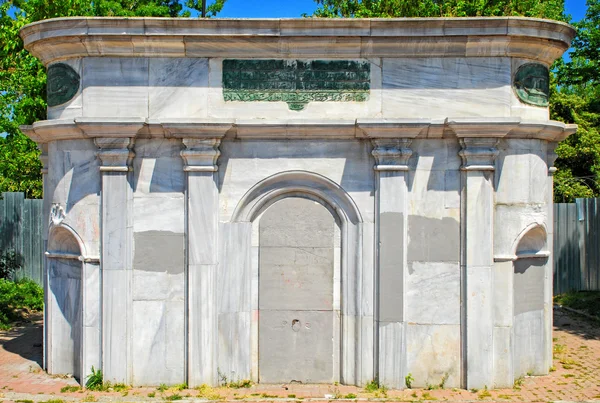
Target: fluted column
391,156
116,260
202,209
477,228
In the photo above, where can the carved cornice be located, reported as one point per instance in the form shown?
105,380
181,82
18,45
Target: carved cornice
201,155
115,153
391,154
89,128
66,38
478,153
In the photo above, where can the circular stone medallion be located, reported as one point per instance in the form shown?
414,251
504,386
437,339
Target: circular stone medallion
532,84
62,84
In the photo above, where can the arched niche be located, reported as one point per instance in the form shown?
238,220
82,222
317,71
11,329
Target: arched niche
65,302
356,323
530,288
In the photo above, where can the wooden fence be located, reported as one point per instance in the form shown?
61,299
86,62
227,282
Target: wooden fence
577,246
21,231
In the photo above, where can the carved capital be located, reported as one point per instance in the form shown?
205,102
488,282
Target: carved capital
201,155
391,154
43,147
551,157
478,153
115,153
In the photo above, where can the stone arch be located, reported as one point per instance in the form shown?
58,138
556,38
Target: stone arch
65,253
355,332
531,242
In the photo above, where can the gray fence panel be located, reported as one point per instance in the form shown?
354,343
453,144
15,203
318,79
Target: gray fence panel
567,273
21,232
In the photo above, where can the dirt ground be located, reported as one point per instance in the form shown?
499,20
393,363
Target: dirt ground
576,377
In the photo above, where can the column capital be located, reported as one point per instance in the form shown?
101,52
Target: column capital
115,153
391,154
478,153
43,147
201,155
551,157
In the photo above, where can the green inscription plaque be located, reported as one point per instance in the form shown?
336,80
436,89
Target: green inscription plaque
532,84
62,84
296,82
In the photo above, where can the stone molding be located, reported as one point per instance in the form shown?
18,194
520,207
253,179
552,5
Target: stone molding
391,154
115,153
64,38
89,128
551,157
43,147
478,154
201,155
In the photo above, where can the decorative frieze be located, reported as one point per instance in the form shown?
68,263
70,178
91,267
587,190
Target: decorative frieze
296,82
391,154
201,155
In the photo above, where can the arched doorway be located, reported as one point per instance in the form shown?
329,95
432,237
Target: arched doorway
65,300
298,303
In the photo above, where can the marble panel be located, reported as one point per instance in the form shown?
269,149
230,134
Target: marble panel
433,239
92,293
392,354
479,327
115,221
503,293
202,218
218,108
159,251
161,213
91,351
233,283
510,220
529,355
116,322
367,249
433,293
154,177
245,163
115,87
446,87
159,334
157,286
479,226
202,325
234,339
433,354
178,88
523,162
503,363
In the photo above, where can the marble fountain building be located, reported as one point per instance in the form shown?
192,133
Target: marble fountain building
309,200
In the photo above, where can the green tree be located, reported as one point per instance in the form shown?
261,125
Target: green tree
553,9
576,99
23,77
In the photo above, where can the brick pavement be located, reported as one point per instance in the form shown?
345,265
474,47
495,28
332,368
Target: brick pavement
576,377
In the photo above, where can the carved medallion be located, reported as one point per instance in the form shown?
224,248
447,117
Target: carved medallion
296,82
62,85
532,84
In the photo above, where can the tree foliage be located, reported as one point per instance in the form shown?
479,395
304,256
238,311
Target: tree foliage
553,9
23,77
576,99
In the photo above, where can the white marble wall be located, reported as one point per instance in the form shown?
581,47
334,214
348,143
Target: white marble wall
175,88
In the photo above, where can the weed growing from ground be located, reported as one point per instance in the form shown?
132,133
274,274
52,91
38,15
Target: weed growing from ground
69,389
408,380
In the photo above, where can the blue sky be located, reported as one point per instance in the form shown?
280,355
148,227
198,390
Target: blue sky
295,8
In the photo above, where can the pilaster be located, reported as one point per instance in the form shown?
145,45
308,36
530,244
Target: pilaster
202,212
116,156
43,147
477,224
391,156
